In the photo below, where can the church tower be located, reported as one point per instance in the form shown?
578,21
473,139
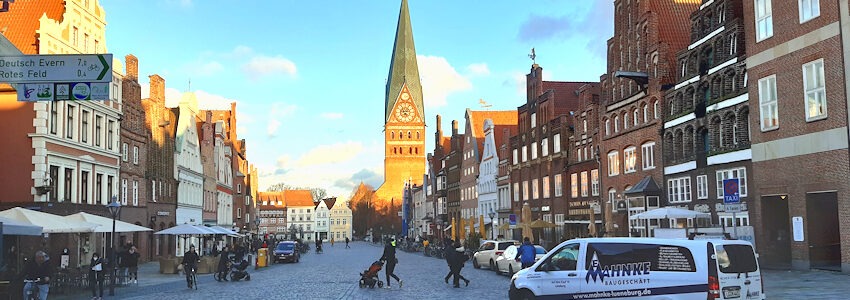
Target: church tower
404,116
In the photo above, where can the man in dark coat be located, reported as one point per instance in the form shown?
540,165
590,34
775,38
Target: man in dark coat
456,259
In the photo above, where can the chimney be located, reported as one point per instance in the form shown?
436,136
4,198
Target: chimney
454,127
157,88
439,134
132,65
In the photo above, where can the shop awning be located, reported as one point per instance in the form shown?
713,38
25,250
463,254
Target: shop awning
105,224
645,186
49,223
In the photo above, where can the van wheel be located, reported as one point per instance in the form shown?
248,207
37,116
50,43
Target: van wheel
475,263
526,295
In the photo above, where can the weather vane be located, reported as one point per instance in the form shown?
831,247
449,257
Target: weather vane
533,56
484,104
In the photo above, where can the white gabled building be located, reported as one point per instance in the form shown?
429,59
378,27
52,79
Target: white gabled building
301,212
224,173
323,219
189,171
488,172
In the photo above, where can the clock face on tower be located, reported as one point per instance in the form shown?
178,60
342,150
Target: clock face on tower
404,112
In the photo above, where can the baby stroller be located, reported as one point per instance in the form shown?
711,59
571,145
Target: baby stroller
370,276
237,270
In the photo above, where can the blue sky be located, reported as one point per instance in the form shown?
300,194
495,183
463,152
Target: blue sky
309,76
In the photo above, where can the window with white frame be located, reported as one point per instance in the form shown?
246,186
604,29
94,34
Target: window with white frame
645,109
516,191
533,120
647,154
815,89
516,156
740,173
635,117
607,127
629,159
535,189
594,182
613,163
559,186
616,124
525,190
578,154
679,189
524,153
544,146
625,121
584,122
612,195
136,155
545,187
768,109
584,184
809,9
124,152
135,193
764,19
702,186
585,153
655,110
556,143
727,219
124,191
574,185
533,150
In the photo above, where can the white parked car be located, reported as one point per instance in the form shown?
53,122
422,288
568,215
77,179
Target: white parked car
489,250
507,263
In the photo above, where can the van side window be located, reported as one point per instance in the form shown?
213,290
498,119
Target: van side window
630,257
735,258
564,259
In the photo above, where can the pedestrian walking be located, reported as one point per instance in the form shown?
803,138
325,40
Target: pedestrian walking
525,253
456,259
223,259
391,260
132,263
332,241
96,276
346,243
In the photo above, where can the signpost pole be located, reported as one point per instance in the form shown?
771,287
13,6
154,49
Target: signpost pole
734,225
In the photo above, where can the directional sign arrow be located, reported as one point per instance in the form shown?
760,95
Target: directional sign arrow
56,68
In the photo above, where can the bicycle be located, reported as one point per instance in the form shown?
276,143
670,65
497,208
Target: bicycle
191,276
33,292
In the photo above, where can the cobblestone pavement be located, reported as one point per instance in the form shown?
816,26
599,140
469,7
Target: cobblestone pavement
334,275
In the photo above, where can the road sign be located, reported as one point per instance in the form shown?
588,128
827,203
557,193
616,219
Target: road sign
63,91
731,191
56,68
734,208
399,213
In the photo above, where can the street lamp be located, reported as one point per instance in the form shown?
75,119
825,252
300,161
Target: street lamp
114,209
492,215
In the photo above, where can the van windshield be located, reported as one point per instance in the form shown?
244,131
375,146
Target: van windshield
736,258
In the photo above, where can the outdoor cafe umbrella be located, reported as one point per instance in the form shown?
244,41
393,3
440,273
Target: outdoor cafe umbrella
49,223
669,213
526,217
185,229
12,227
541,224
105,224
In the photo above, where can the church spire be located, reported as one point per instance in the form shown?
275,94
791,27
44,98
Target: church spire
403,66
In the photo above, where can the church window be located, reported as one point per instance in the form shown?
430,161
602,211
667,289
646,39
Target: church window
392,135
400,135
417,135
408,135
410,150
395,151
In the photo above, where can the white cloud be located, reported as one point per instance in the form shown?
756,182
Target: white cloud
207,101
480,69
261,66
439,79
332,115
328,154
277,112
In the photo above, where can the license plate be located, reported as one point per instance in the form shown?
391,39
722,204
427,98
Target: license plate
731,293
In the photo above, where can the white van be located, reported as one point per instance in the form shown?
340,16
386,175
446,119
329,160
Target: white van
643,268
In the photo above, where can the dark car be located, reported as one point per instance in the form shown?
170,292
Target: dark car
285,251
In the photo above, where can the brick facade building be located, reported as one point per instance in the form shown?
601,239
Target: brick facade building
134,139
582,183
797,78
161,124
706,131
641,66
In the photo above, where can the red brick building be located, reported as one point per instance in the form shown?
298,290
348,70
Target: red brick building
583,184
797,80
438,192
472,156
539,152
133,168
161,127
641,66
